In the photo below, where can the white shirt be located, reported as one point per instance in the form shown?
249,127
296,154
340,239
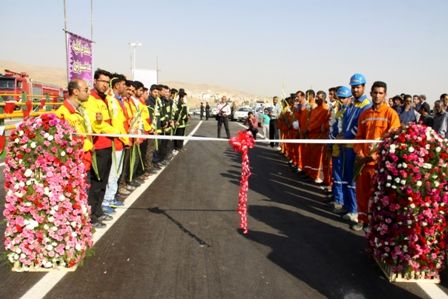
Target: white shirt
225,110
276,110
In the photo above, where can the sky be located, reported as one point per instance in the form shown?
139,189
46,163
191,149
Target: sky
262,47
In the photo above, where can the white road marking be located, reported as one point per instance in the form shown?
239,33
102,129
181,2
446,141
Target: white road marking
47,282
432,289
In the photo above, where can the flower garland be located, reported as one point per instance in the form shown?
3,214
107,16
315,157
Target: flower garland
48,223
410,205
242,143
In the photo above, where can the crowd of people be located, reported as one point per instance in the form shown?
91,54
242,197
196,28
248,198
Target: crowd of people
348,113
118,165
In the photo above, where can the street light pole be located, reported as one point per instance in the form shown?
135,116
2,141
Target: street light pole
133,45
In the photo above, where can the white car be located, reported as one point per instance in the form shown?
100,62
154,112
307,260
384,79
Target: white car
241,113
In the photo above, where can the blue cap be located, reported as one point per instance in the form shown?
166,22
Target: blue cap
357,79
343,92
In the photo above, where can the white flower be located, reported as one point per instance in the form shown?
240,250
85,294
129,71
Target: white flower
403,182
20,133
61,197
427,166
50,138
30,224
49,247
28,173
411,149
78,247
404,165
397,180
48,264
427,146
409,222
46,135
50,219
392,148
388,185
389,178
436,184
438,149
412,205
46,227
419,183
17,140
62,154
33,144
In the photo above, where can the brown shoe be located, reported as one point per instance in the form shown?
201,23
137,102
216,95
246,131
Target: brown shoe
124,191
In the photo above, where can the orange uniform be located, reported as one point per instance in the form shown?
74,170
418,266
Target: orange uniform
372,124
318,127
300,116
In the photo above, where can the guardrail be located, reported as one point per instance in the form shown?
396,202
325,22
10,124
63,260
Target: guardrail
39,108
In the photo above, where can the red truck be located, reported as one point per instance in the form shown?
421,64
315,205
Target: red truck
12,84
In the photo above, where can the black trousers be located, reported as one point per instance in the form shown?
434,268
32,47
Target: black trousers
149,154
273,131
223,120
139,169
163,149
179,144
98,186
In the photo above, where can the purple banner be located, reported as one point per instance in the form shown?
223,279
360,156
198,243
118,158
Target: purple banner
79,58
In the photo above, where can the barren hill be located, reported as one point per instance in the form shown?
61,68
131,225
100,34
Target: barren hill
196,92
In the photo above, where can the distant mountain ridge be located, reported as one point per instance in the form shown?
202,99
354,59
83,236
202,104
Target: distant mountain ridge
196,92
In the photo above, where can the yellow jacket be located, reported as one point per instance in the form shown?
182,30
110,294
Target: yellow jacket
76,119
94,105
147,127
118,118
140,115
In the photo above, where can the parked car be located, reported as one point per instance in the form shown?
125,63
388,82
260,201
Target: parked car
194,112
213,111
241,113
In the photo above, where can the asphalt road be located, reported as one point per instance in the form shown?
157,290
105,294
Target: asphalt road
180,239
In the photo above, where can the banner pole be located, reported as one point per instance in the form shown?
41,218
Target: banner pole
66,40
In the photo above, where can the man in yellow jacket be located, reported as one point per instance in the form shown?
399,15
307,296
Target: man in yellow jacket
98,112
117,110
72,112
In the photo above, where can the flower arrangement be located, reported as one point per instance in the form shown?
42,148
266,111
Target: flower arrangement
410,204
46,209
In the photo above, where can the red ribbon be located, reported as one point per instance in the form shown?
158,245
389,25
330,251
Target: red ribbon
242,143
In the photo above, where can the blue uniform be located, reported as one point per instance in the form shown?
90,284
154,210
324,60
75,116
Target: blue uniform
335,129
350,129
